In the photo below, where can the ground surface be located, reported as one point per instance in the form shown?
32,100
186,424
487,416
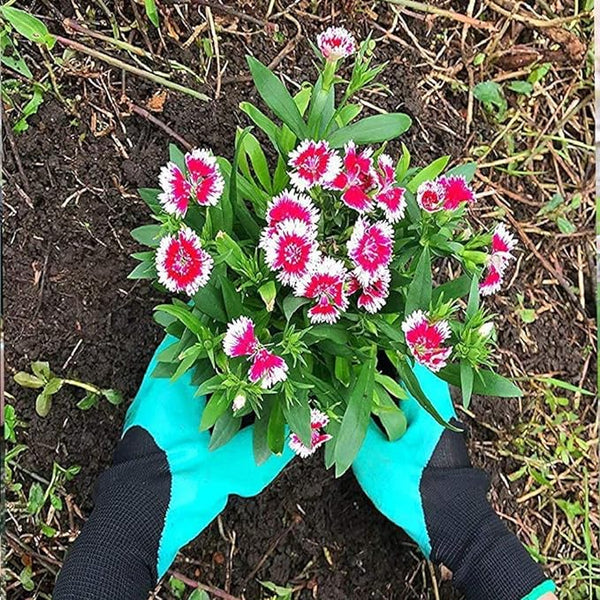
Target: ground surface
71,201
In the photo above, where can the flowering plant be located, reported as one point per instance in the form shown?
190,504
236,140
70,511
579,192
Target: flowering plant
307,289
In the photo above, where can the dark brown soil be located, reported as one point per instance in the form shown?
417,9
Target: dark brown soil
65,267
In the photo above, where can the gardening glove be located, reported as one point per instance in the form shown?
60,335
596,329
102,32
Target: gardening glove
163,489
424,483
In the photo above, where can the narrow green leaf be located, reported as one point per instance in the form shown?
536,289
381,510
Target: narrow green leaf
356,418
152,12
466,382
276,430
276,96
260,444
232,299
371,130
149,235
473,302
467,170
263,122
28,26
215,407
225,428
297,415
177,156
391,416
428,173
414,387
485,383
185,316
419,290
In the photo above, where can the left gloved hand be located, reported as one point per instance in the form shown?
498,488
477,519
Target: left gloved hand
164,487
424,483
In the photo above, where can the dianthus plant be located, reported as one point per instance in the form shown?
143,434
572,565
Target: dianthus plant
311,276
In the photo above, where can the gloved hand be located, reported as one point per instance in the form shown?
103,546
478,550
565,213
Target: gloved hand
424,483
163,489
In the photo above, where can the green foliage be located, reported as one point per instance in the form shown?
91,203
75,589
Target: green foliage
41,378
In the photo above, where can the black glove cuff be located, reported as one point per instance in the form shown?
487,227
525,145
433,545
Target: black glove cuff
487,560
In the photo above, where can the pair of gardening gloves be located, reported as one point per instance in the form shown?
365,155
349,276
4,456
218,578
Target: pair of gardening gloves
165,487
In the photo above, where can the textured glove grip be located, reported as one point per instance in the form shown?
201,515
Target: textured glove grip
115,555
487,560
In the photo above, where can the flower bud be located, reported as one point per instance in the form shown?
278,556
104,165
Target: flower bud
239,401
486,329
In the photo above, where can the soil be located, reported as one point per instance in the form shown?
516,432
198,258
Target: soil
68,301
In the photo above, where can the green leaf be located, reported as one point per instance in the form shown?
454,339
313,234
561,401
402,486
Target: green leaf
36,499
268,292
276,430
414,388
371,130
231,252
27,380
263,123
467,170
150,197
149,235
43,404
185,316
177,156
260,445
26,579
391,416
276,96
113,396
520,87
565,385
41,369
485,383
322,108
145,270
225,428
259,161
30,108
342,370
428,173
356,418
151,12
473,302
466,382
209,300
219,402
210,385
199,594
419,291
28,26
90,400
232,299
10,56
53,386
391,386
403,163
291,304
491,95
347,114
456,288
297,415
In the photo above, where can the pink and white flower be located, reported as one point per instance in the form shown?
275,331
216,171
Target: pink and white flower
456,191
335,43
313,163
203,182
503,243
318,420
291,205
182,264
430,196
290,248
324,282
425,340
373,296
357,179
389,197
370,249
240,339
268,368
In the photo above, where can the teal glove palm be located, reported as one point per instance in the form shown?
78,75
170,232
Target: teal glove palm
164,488
424,483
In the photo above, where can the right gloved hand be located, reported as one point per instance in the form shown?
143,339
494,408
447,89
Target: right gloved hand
164,487
424,483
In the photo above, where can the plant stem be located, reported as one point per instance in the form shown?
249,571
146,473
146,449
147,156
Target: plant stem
115,62
86,386
450,14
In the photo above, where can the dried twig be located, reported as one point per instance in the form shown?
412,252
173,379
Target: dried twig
142,112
